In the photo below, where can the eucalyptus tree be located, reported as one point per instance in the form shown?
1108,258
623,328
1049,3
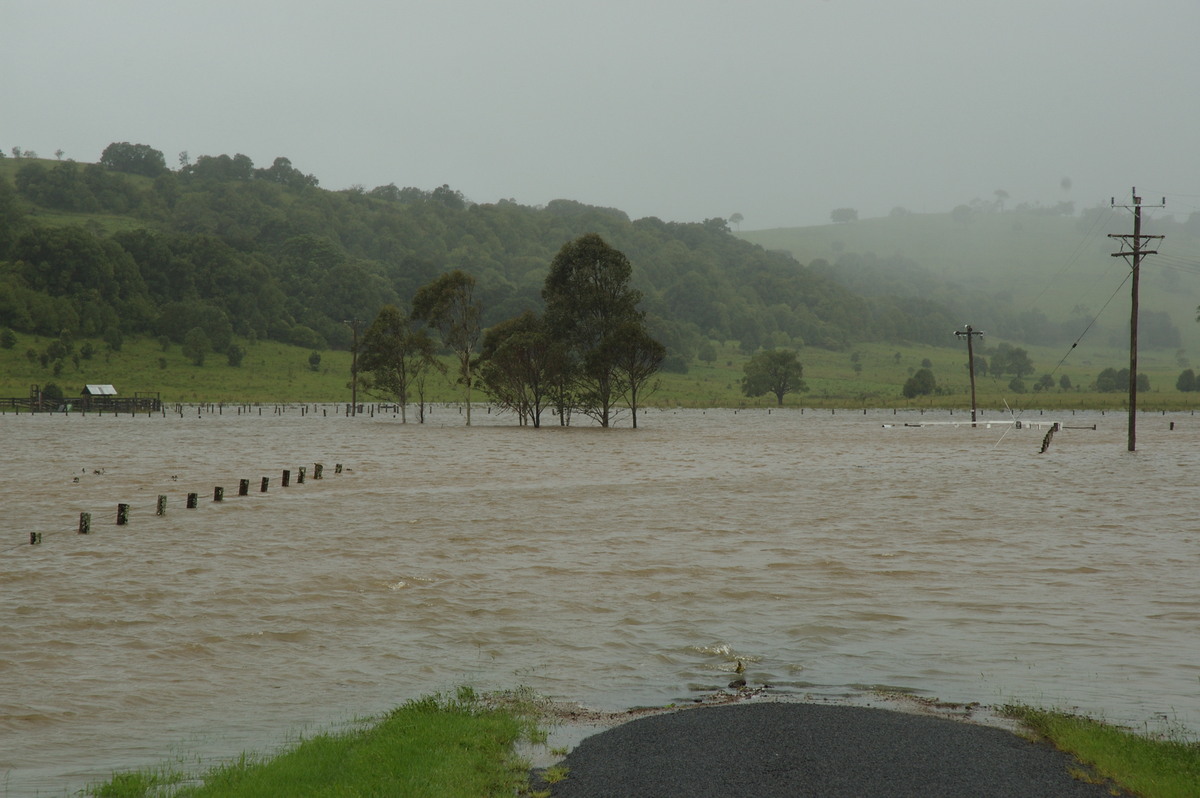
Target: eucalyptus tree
520,364
448,305
399,354
637,357
588,302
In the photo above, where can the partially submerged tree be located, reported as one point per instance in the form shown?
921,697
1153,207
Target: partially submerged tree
520,364
588,303
637,357
398,354
448,305
776,371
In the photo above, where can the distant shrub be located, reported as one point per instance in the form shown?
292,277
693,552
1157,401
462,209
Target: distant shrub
306,337
922,383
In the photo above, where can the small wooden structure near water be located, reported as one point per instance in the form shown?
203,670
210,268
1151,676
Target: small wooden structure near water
95,397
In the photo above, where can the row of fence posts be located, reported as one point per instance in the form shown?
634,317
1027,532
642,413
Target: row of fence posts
193,499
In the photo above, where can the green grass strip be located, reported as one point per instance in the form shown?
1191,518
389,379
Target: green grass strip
433,747
1151,768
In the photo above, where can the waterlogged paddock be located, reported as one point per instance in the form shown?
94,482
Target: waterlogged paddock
827,552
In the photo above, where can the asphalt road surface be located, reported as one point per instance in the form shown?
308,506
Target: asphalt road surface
793,750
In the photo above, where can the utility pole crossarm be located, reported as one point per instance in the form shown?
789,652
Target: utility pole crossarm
970,334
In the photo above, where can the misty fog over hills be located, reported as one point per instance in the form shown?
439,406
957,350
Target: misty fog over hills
1035,275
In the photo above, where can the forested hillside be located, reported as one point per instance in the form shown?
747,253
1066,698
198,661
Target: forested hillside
128,246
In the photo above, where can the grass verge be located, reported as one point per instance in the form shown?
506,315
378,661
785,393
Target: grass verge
432,747
1151,768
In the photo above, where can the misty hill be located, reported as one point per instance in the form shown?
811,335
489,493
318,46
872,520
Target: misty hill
128,246
1034,275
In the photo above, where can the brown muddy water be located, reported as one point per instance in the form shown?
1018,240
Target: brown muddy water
828,552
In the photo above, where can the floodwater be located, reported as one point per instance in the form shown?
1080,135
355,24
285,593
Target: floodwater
828,552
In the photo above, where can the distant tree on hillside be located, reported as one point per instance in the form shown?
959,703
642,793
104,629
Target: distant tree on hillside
136,159
843,215
776,371
282,172
1011,360
922,383
195,346
1116,380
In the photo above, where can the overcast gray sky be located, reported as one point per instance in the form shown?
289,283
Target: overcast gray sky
781,110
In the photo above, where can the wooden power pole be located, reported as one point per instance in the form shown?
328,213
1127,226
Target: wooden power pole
1132,248
970,333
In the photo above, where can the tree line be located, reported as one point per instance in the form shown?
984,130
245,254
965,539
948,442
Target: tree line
587,352
237,250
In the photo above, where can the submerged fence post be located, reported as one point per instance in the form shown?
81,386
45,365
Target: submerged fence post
317,469
192,500
122,514
287,478
265,482
218,494
244,487
35,538
85,523
300,476
337,469
162,505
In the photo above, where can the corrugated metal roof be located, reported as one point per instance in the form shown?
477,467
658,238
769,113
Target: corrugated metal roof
100,390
